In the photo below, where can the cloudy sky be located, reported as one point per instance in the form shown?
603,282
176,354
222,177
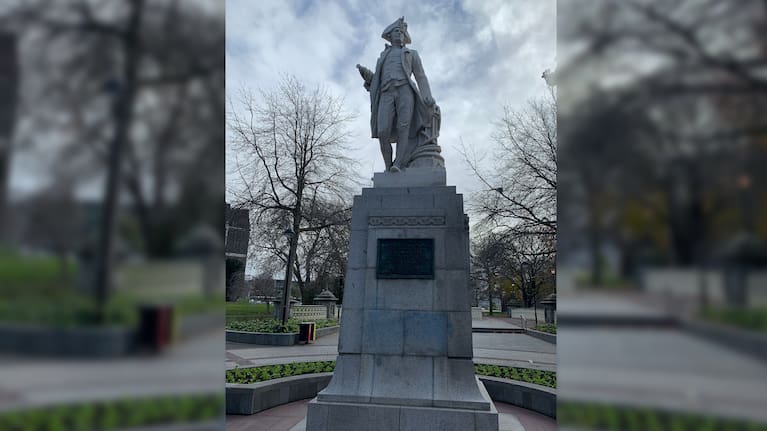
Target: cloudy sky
479,55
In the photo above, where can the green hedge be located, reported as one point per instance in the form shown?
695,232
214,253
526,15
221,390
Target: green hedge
116,414
751,319
78,310
268,372
274,326
547,327
529,375
606,417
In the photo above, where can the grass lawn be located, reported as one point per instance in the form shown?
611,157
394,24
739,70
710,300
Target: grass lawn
37,290
20,273
236,311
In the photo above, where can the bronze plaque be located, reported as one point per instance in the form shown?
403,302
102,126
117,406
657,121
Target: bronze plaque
405,258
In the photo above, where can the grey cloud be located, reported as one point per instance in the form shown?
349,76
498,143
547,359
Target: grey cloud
478,55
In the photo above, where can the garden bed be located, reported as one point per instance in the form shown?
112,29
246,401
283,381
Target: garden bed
739,318
269,372
608,417
271,332
129,413
272,339
548,328
254,389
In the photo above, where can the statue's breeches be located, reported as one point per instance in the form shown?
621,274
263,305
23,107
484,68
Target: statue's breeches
395,103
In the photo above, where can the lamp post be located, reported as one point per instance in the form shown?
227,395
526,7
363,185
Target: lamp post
290,235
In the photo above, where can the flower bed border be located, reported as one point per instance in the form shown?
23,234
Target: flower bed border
545,336
269,339
101,342
248,399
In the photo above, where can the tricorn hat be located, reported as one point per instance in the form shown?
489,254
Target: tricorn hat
402,25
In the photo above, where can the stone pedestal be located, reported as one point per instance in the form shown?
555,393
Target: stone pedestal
405,346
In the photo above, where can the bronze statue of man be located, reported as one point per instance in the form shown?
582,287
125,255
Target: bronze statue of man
400,110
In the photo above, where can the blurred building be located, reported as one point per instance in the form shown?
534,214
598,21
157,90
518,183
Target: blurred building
8,85
236,249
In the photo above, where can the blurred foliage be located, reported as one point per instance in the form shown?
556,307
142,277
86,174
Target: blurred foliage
116,414
33,291
609,280
752,319
78,310
596,416
547,327
538,377
18,273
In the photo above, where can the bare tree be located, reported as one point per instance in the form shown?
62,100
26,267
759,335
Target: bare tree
691,73
264,288
490,263
320,253
132,92
519,259
532,259
292,169
51,222
521,182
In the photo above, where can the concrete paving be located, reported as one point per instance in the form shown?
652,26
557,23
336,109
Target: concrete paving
188,367
494,324
490,348
661,367
287,416
512,349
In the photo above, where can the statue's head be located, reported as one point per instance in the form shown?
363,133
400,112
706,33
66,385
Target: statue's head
397,31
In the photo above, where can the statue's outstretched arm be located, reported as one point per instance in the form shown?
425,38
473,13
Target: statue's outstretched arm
366,74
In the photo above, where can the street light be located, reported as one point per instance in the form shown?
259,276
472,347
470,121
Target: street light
289,234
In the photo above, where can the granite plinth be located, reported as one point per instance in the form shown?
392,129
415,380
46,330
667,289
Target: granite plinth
405,345
411,177
348,416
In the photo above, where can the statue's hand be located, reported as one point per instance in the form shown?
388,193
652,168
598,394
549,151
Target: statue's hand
428,101
366,74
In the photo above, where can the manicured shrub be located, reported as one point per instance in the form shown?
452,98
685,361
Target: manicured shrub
115,414
274,326
547,327
268,372
608,417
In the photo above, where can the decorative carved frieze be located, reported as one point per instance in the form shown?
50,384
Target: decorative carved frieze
406,220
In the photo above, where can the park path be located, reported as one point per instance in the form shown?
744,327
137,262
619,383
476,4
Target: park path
192,366
500,349
641,363
512,349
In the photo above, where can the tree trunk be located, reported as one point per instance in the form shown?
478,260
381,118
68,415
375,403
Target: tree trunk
123,115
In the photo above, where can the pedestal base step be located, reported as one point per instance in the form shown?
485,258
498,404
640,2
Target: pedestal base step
325,416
